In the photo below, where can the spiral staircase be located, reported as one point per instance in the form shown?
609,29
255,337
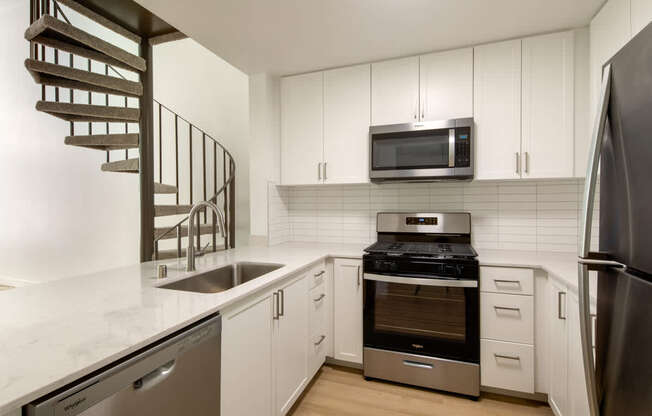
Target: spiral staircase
141,127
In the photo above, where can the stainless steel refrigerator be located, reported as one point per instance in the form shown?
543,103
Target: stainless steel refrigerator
619,380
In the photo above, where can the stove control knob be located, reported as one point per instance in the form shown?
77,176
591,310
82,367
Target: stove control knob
393,266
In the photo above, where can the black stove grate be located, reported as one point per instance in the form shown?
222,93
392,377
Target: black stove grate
421,248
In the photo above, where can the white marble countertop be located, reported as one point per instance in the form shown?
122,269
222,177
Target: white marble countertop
56,332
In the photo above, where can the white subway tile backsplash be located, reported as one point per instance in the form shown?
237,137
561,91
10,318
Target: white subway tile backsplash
539,215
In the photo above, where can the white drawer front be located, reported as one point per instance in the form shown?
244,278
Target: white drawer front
317,275
507,317
318,310
506,365
507,280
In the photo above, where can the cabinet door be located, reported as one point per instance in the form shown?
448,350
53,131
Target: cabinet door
641,15
291,344
497,110
348,310
558,350
246,350
548,106
578,401
395,91
347,107
446,84
301,129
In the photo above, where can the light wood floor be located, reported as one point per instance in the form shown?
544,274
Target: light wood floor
341,391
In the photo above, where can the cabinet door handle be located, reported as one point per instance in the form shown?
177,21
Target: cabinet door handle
358,276
319,171
518,168
320,273
325,176
322,296
505,308
281,300
527,162
559,314
417,364
321,339
275,305
508,357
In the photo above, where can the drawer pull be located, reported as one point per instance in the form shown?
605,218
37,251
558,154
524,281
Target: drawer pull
321,339
417,364
505,308
320,273
508,357
322,296
514,282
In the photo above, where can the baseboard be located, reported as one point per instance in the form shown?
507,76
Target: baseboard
539,397
342,363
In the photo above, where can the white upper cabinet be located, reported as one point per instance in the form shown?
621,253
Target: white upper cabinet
302,129
347,101
497,110
548,106
641,15
395,91
446,85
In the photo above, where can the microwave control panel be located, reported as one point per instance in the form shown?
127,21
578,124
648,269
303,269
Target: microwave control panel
462,147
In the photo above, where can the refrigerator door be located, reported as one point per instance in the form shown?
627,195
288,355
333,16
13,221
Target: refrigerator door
626,163
624,343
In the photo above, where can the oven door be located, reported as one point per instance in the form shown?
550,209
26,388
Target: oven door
426,316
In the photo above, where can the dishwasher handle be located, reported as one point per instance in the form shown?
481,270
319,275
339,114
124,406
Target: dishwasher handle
155,377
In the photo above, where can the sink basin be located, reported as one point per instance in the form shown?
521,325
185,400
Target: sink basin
224,278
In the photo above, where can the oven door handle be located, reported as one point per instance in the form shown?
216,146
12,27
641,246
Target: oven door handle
435,281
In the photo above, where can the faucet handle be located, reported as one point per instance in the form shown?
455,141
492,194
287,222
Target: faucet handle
202,251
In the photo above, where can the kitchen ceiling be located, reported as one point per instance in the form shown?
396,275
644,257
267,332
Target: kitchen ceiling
291,36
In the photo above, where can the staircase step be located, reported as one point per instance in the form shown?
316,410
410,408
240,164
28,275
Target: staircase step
173,254
105,141
65,77
203,229
126,166
86,112
165,210
80,51
161,188
53,28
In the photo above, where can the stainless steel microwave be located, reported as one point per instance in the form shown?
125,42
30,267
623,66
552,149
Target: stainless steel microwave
431,150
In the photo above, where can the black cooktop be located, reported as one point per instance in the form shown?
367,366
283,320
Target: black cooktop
405,248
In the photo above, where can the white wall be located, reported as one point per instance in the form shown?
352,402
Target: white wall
265,150
60,215
212,94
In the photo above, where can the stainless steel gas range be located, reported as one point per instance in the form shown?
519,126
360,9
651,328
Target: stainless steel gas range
421,302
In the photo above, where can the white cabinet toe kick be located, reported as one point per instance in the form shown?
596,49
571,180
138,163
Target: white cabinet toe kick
419,370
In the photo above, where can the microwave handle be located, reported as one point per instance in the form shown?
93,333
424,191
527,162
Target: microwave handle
451,148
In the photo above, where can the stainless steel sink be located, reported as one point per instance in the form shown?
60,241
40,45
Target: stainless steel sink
224,278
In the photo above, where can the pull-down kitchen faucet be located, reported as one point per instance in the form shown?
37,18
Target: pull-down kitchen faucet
190,251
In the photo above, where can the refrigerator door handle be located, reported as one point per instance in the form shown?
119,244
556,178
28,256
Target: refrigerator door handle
585,242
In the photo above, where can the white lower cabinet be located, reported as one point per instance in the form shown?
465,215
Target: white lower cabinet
578,402
347,310
318,302
558,332
247,337
291,349
265,351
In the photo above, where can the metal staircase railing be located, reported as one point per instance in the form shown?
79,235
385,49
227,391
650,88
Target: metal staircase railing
225,190
217,169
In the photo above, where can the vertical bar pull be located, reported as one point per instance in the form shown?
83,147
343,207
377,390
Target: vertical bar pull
518,167
319,171
559,308
281,311
275,305
359,277
527,163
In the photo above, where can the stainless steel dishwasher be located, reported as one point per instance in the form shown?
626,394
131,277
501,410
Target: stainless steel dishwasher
179,375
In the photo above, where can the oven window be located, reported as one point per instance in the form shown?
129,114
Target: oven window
411,150
422,311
